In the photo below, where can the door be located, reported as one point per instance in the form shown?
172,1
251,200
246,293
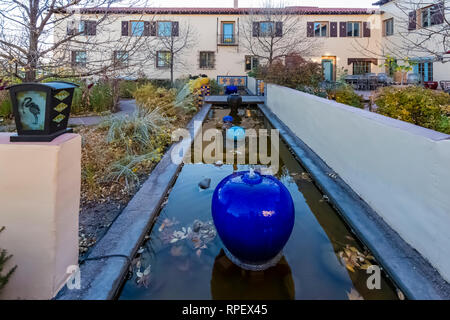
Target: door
228,32
327,66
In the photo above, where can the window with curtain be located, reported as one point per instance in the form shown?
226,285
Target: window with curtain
389,27
164,28
163,59
121,58
361,67
353,29
266,29
207,60
251,63
79,58
137,28
320,29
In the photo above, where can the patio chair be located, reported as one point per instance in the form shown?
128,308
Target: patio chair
413,78
372,82
352,80
362,82
382,79
445,85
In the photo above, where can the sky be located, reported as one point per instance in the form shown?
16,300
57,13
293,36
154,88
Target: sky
256,3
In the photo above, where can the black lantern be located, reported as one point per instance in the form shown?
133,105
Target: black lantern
41,110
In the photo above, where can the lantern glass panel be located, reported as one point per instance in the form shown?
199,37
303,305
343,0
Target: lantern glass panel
31,106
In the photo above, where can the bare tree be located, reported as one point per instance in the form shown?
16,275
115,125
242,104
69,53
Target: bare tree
41,36
424,28
418,28
174,40
275,31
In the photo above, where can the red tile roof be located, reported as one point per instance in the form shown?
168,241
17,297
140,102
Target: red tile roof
291,10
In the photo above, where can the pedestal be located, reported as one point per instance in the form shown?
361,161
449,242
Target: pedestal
39,206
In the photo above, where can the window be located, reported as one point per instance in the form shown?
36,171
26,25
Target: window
163,59
361,67
164,28
320,29
84,27
121,58
432,15
266,29
207,60
137,28
425,70
389,27
353,29
79,58
251,63
227,33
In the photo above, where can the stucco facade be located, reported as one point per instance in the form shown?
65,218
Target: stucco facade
407,31
206,25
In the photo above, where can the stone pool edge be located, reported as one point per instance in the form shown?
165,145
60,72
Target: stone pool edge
410,271
101,278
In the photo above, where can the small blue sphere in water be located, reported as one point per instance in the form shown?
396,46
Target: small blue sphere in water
254,216
228,119
236,133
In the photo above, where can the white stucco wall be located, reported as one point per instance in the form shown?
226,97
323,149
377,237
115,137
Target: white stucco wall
228,60
402,171
251,84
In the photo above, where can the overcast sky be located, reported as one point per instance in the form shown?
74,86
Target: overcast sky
256,3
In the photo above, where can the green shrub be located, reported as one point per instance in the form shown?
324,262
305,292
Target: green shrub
346,95
127,88
317,91
216,89
149,97
5,104
4,257
417,105
136,132
101,97
144,135
296,72
185,101
96,98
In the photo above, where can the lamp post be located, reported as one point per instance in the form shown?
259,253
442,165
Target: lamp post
41,110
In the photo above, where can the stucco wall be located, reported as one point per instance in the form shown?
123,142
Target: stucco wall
40,200
251,84
229,60
400,170
397,44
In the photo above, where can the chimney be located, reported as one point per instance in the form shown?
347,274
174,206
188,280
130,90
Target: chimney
236,4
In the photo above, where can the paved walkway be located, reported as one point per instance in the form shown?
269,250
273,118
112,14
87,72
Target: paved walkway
125,107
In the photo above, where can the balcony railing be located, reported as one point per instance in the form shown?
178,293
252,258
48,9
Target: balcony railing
227,39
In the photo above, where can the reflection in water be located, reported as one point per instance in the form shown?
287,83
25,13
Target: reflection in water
229,282
321,251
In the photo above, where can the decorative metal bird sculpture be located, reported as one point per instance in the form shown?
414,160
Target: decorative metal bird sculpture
33,107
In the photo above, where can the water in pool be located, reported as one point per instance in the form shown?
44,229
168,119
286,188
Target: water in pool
182,257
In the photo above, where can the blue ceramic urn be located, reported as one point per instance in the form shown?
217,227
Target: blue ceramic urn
254,216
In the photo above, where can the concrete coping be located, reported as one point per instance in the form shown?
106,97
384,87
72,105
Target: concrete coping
104,270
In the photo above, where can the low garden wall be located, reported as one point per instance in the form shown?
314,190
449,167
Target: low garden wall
401,170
